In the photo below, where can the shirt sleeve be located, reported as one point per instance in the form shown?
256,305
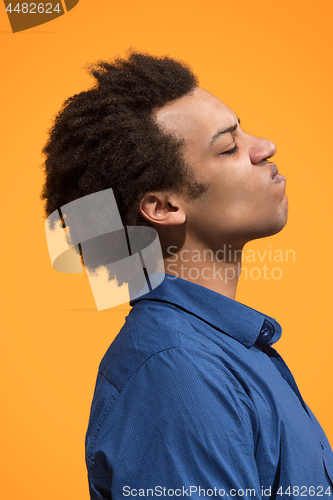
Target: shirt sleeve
182,426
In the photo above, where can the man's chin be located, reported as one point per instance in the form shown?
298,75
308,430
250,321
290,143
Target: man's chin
275,230
279,222
269,230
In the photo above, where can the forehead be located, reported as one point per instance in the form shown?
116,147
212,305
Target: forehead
195,117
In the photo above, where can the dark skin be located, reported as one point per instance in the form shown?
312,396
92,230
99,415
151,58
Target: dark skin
243,202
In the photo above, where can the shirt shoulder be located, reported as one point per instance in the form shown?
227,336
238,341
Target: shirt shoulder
159,351
154,327
150,328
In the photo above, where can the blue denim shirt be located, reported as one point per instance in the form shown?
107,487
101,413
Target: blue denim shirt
192,401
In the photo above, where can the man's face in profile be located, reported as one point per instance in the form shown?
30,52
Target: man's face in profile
245,198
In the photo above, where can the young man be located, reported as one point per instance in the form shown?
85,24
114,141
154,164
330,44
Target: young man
190,398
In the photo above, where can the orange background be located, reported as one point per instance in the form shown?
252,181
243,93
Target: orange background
269,62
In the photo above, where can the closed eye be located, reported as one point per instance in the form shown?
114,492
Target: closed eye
230,151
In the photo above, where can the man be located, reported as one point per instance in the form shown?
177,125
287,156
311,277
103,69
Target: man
190,398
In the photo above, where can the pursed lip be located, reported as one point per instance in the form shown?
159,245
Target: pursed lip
274,170
275,176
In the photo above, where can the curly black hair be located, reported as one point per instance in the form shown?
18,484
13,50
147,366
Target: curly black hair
106,137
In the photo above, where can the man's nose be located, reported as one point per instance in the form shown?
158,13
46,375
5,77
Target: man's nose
261,150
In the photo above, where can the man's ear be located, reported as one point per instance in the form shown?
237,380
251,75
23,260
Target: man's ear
162,209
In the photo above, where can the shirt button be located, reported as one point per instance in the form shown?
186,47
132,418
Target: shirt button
266,334
322,446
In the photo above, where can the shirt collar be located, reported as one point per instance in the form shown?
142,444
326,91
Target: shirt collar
244,324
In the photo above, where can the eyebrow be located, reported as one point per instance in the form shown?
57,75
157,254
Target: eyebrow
223,132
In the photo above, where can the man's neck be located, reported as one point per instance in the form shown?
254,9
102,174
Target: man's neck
217,269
